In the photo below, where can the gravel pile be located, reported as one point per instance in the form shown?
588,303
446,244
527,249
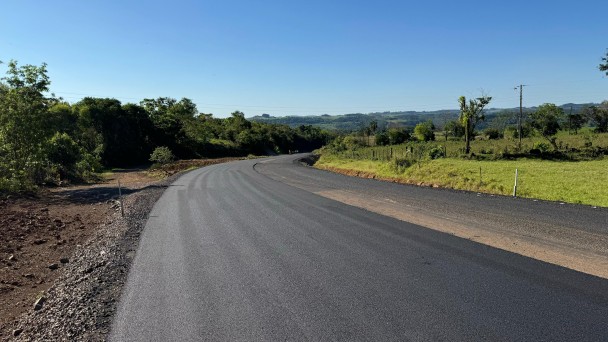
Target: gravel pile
81,303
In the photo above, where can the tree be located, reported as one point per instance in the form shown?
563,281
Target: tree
575,122
398,136
547,121
470,115
598,115
174,123
23,127
424,131
382,139
604,66
453,128
371,130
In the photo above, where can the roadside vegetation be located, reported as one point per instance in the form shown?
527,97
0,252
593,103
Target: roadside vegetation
559,156
561,166
46,140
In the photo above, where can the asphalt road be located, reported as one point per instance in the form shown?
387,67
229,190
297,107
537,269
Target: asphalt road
237,252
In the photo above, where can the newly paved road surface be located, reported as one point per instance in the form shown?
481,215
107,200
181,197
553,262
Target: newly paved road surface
231,252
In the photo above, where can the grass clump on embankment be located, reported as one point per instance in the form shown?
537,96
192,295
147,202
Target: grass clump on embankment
584,182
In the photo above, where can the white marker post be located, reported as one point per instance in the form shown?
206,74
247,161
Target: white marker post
122,209
515,187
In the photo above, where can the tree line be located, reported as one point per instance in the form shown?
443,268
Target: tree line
44,139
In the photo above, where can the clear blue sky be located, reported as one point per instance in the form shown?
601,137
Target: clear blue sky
313,57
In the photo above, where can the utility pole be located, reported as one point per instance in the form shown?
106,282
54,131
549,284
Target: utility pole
521,110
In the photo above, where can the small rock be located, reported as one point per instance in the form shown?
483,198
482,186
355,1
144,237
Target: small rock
39,303
44,209
29,276
12,258
53,266
39,241
17,332
64,260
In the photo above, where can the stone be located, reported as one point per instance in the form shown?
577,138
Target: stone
17,332
39,303
53,266
39,241
12,258
64,260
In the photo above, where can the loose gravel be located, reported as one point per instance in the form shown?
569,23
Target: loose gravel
81,303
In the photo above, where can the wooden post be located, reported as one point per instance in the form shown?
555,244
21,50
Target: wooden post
480,180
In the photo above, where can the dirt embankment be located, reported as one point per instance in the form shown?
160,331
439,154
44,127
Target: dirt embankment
65,253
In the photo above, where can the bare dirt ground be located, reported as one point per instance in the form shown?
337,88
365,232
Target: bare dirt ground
65,239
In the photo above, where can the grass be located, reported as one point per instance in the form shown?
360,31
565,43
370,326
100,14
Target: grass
583,182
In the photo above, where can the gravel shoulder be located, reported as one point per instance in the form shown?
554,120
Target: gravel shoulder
80,303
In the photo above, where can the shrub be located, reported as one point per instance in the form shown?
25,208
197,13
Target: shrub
64,153
382,139
162,155
493,133
436,152
400,164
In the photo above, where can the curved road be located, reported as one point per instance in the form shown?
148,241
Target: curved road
245,251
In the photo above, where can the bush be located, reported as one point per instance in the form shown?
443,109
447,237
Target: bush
382,139
64,153
398,136
436,152
162,155
400,164
493,133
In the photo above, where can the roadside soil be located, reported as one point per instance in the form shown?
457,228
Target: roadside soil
71,247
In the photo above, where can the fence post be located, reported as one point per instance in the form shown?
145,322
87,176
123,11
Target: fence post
515,187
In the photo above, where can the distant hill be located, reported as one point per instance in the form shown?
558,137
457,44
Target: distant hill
355,121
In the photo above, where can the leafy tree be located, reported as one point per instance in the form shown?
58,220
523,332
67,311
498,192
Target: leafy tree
575,122
547,121
470,115
398,136
453,128
124,131
598,115
174,124
382,139
424,131
64,152
23,126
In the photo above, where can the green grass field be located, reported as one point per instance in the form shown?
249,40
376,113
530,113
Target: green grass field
584,182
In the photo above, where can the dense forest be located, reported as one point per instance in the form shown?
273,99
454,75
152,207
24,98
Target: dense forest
44,139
